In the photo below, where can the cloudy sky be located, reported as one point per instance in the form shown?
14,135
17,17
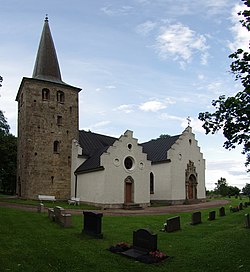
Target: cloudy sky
143,65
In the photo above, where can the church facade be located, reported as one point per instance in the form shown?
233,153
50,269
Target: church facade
56,158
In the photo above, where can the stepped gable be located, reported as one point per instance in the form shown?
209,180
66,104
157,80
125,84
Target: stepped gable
93,146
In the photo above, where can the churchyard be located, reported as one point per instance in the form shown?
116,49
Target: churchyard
31,241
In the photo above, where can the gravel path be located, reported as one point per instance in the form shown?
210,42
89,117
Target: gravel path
146,211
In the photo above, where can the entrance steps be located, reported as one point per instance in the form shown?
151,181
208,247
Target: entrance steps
132,206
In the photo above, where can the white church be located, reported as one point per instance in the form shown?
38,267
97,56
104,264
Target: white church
56,158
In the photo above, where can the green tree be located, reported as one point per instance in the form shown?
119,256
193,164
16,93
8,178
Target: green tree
246,189
8,151
232,114
222,187
233,190
163,136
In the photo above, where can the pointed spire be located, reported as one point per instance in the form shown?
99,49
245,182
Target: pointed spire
46,65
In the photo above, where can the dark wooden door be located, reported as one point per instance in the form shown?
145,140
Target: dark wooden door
190,191
128,192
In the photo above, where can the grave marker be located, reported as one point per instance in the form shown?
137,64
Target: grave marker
222,211
241,206
247,221
92,224
144,241
173,224
196,218
211,215
40,208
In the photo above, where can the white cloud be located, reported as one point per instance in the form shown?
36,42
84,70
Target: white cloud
110,87
111,11
98,125
125,108
152,106
155,105
145,28
166,116
232,170
179,42
240,33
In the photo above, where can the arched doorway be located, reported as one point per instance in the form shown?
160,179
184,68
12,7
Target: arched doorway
129,190
192,191
191,181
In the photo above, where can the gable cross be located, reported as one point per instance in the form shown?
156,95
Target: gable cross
189,120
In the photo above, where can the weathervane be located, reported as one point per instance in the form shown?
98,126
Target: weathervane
189,120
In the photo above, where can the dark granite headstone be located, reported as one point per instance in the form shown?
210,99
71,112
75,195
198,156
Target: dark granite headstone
211,215
222,211
92,224
144,241
247,221
196,218
241,206
173,224
245,204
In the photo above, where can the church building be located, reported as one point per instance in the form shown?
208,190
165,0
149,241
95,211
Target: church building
56,158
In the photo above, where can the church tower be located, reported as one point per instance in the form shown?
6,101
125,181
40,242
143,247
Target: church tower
47,124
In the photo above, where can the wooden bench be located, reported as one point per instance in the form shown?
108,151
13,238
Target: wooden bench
46,197
74,200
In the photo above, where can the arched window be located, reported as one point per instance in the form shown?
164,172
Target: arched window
60,96
45,94
151,183
56,146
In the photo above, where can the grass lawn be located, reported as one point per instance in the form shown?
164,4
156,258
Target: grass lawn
30,242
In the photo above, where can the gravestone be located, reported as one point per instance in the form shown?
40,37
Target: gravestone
58,211
241,206
222,211
196,218
173,224
144,241
245,204
65,220
92,224
211,215
40,208
247,221
51,214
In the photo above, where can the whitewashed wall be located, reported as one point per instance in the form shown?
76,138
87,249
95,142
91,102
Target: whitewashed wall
184,150
76,161
107,187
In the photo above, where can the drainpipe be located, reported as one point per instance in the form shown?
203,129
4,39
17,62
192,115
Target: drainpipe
75,185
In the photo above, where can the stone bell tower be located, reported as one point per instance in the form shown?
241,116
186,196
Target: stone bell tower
47,124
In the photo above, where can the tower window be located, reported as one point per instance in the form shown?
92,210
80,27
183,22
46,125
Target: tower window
56,146
45,94
60,96
59,120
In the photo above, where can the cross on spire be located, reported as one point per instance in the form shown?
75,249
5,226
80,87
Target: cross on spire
189,120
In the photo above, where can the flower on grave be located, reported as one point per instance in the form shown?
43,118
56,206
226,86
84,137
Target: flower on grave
123,245
120,247
159,256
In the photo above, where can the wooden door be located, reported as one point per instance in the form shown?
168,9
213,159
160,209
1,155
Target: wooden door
190,191
128,192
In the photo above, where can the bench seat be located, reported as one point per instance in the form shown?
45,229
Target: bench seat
74,200
46,198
